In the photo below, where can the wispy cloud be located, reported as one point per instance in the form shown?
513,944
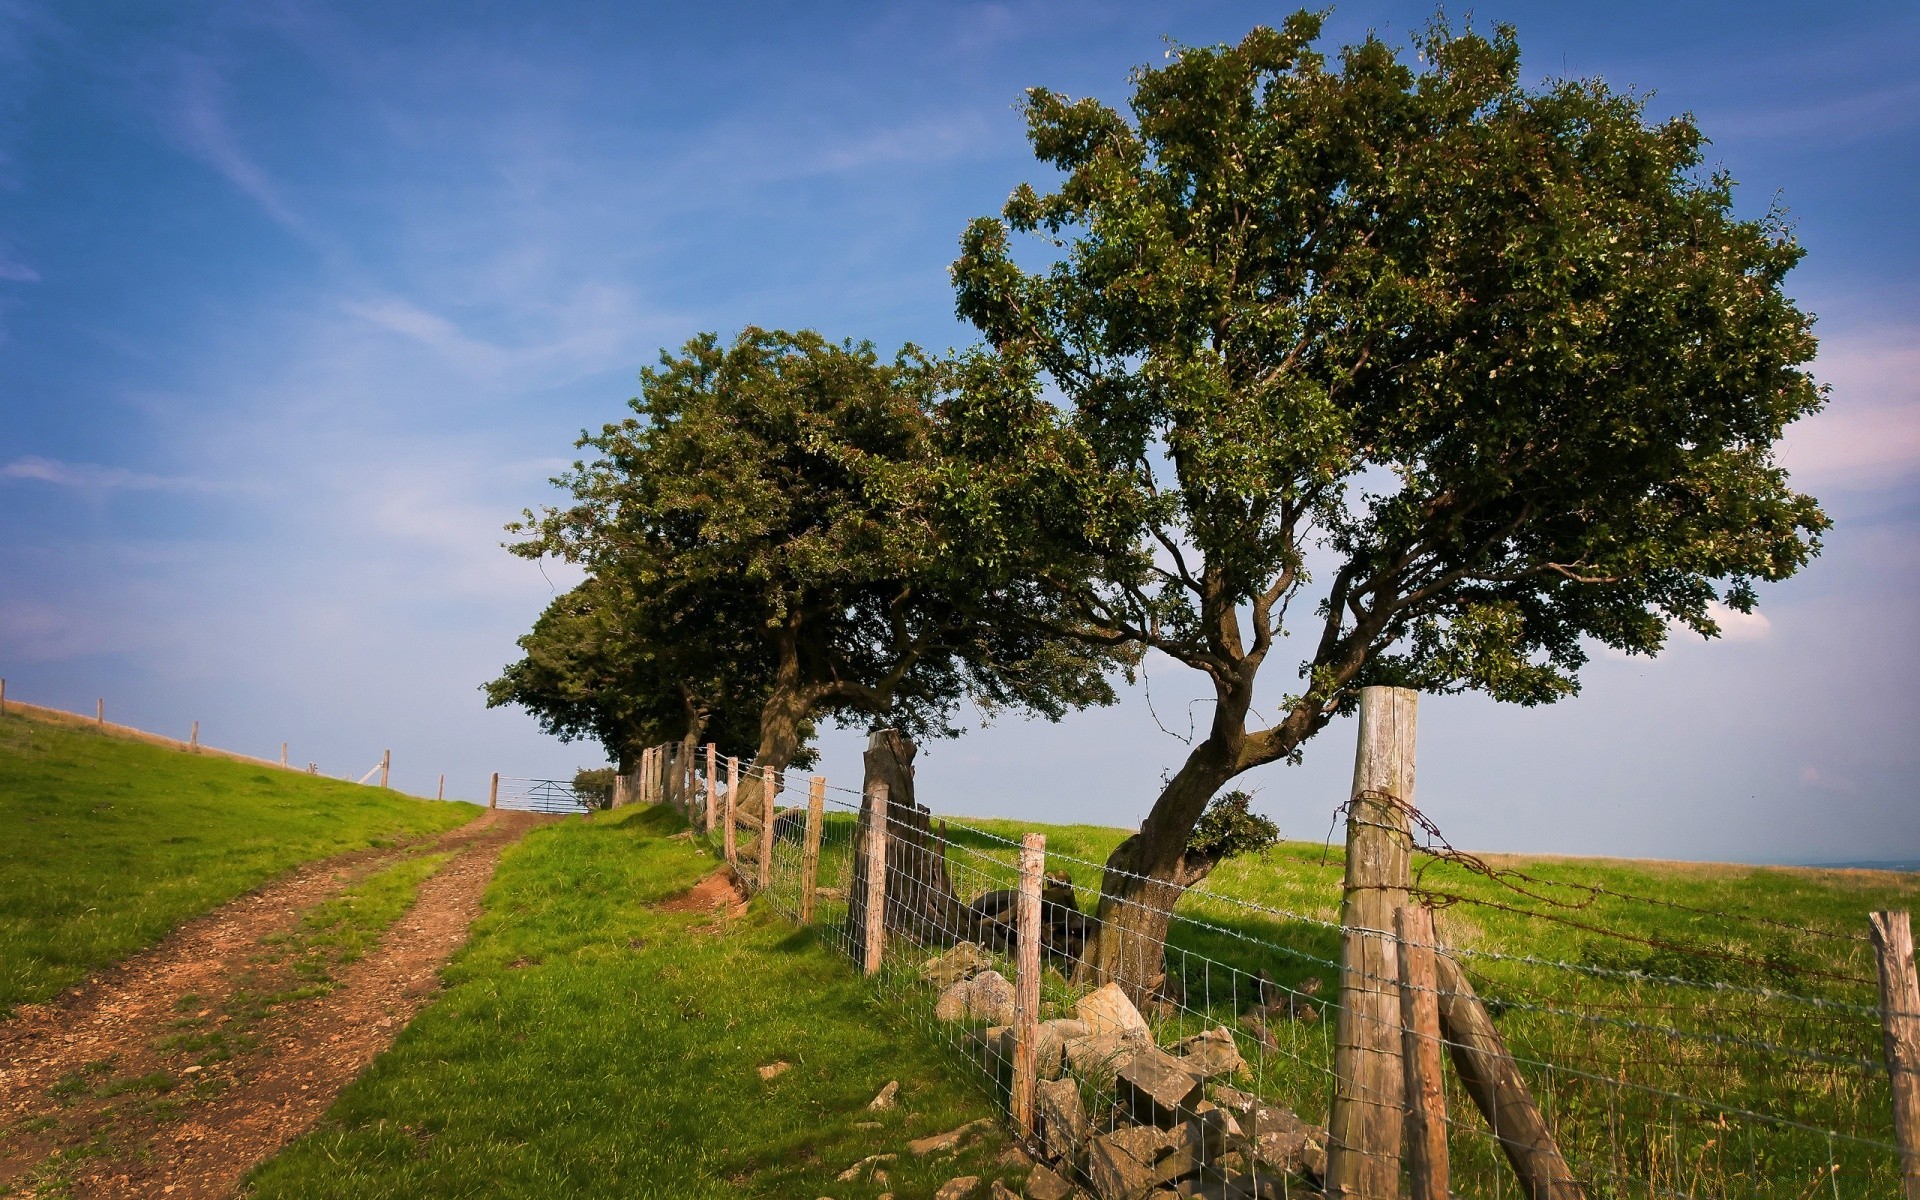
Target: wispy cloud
18,272
92,477
200,122
1869,436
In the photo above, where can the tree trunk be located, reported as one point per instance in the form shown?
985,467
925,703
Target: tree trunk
920,900
781,719
1145,876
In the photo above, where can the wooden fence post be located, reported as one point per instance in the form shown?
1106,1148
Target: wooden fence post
1499,1091
386,766
770,784
727,827
1420,1050
1026,985
442,793
493,791
194,742
100,712
810,853
283,754
1900,1019
713,790
3,695
876,877
1368,1120
646,775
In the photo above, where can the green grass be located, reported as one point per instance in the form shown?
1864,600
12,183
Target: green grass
1581,1029
110,843
592,1045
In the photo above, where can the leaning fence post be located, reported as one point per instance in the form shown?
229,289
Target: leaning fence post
770,784
1369,1101
493,792
1026,980
876,876
1900,1019
810,855
712,782
1426,1090
727,827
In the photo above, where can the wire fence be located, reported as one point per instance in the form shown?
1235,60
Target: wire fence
1741,1059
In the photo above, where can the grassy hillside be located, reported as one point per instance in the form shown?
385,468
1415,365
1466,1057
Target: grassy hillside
109,843
594,1045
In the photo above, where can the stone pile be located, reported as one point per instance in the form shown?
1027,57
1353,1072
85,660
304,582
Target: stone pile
1169,1124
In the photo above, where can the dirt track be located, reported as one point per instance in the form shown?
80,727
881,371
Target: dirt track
100,1097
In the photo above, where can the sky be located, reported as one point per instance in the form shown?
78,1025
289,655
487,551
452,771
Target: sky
301,302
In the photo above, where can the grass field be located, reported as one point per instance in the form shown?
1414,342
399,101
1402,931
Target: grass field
593,1045
1691,1029
110,843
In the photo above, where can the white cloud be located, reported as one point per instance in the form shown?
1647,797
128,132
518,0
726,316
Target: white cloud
200,122
92,477
18,272
1736,626
1869,436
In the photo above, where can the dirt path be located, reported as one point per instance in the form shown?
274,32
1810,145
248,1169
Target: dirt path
99,1092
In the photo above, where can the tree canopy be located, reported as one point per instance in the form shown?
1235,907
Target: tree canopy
782,489
1479,374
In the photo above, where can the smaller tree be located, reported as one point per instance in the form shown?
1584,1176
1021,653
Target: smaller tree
780,499
603,664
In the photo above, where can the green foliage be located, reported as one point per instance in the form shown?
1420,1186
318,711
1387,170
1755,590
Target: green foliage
778,497
1230,827
592,1045
1501,361
111,843
595,786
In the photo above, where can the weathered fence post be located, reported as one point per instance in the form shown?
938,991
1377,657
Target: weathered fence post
493,791
770,784
1026,979
1900,1020
876,877
689,778
646,774
713,781
442,793
386,763
727,827
810,854
283,754
1487,1070
1369,1097
100,712
194,741
3,695
1420,1050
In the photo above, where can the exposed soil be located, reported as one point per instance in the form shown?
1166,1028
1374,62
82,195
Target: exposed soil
110,1090
720,890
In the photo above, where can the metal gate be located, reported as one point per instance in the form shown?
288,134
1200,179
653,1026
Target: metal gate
541,796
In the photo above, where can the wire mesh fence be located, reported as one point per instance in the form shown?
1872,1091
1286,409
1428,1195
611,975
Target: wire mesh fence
1745,1061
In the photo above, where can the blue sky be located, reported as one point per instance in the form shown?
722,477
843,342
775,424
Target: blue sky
301,302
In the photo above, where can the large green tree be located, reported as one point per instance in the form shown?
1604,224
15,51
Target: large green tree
784,489
1454,376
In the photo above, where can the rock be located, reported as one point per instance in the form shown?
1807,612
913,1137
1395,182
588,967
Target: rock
865,1164
888,1097
1001,1191
1098,1055
948,1141
1049,1047
964,961
985,997
1257,1028
1154,1088
1195,1144
1063,1120
1282,1142
1120,1164
1047,1184
775,1068
1210,1055
1013,1156
958,1189
1107,1010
